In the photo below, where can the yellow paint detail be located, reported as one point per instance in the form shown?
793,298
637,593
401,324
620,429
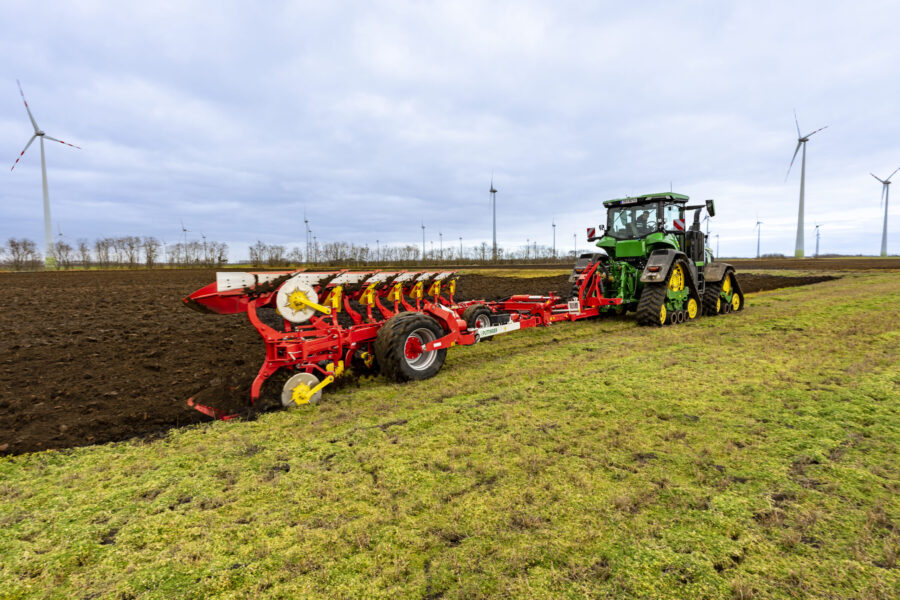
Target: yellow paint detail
726,284
368,295
297,301
396,293
334,298
451,287
676,279
435,289
719,304
692,308
418,290
662,314
736,302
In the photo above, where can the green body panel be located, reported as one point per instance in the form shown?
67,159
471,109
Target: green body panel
630,248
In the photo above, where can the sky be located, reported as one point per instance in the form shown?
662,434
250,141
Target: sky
373,118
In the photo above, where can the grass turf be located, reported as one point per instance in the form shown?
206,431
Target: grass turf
745,456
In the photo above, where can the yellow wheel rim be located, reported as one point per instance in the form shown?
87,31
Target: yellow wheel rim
726,285
676,279
719,304
736,302
692,309
662,314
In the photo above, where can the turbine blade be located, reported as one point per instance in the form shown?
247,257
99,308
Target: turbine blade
808,135
892,174
876,176
21,93
796,150
22,152
797,123
52,139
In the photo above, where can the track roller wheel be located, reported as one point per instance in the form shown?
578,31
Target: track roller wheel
399,347
692,310
478,316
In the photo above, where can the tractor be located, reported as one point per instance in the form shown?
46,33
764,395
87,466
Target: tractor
658,267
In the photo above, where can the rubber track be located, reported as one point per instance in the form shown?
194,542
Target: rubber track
389,347
710,295
652,297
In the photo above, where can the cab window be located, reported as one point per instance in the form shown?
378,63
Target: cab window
671,213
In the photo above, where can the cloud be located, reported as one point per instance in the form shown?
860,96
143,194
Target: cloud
374,118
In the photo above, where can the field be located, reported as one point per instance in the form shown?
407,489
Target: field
746,456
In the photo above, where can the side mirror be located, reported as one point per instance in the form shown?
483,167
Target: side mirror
711,208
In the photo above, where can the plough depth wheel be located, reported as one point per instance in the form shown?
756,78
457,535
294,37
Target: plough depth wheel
400,347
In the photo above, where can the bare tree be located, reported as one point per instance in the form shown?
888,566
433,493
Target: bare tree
151,250
22,253
62,252
131,247
84,253
275,255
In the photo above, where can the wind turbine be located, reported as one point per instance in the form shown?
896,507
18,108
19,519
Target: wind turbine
554,237
38,133
494,202
801,141
817,240
308,231
885,192
758,231
423,241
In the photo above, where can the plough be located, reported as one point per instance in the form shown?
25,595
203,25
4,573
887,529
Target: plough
397,323
401,323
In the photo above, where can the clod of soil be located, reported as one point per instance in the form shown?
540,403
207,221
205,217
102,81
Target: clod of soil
100,356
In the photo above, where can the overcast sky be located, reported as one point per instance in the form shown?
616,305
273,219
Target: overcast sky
375,117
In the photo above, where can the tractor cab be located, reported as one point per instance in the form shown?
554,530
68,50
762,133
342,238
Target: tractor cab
636,226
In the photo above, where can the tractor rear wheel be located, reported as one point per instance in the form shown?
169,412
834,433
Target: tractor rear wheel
399,347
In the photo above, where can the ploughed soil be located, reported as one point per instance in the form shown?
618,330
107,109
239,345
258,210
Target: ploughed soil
100,356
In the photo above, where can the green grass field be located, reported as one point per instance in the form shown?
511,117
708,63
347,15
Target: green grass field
746,456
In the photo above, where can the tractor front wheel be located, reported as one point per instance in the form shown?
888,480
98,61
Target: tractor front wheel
478,316
400,347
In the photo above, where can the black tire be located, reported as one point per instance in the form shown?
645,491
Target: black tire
391,344
652,298
711,296
478,316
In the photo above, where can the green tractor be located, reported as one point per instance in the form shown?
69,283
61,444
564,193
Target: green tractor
656,266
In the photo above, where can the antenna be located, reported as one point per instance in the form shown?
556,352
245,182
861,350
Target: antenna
801,141
49,261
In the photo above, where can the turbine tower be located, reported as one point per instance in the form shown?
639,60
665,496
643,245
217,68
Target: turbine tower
801,141
554,238
758,230
494,202
885,192
423,241
38,133
817,240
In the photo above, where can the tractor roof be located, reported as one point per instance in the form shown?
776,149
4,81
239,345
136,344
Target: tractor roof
670,196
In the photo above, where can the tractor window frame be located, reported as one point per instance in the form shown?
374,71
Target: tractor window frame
628,227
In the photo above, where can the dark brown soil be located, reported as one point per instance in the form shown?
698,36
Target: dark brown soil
93,357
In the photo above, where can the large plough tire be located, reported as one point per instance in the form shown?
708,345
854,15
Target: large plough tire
398,347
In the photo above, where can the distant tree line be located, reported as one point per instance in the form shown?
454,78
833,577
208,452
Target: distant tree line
347,253
149,252
108,252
